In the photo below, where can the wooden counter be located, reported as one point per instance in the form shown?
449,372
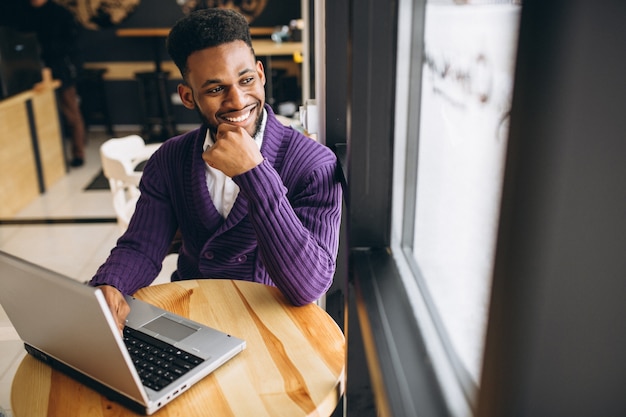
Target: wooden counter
32,157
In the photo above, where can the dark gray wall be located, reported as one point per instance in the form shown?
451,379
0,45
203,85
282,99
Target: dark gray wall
556,340
103,45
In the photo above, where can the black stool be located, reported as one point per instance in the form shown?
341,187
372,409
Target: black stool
155,106
94,105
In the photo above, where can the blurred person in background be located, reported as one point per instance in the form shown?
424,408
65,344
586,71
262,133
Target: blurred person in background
57,31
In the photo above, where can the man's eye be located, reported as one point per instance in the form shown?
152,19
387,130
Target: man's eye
214,90
247,80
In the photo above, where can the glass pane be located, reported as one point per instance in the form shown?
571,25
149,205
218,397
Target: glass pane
467,79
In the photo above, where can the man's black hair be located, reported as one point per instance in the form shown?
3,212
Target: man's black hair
203,29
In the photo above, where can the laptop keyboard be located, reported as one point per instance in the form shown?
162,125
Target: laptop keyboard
158,363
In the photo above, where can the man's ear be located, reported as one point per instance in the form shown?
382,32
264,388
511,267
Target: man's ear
261,71
186,96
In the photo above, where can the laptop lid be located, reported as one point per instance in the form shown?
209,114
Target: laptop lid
69,325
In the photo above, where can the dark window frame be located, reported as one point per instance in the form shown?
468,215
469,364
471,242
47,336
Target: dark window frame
554,346
361,42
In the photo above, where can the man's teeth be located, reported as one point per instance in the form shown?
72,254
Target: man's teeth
238,119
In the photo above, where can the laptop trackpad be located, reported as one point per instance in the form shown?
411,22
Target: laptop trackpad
173,330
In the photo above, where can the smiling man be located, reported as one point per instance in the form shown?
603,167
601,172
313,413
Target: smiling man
253,200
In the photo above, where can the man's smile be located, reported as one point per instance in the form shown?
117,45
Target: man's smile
242,117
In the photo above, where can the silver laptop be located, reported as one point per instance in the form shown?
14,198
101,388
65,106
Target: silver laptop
69,326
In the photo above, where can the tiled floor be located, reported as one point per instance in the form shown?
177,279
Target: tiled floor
74,249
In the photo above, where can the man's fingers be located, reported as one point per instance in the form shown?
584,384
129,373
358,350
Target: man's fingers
224,130
122,310
117,304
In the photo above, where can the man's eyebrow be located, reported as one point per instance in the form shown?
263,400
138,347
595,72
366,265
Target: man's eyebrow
244,71
210,81
218,81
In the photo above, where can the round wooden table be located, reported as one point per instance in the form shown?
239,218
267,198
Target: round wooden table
293,365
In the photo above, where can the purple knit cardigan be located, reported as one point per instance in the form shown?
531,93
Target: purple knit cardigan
283,229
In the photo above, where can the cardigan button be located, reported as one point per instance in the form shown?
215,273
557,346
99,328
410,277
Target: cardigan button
209,255
241,259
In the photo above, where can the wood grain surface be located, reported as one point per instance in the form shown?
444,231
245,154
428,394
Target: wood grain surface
19,184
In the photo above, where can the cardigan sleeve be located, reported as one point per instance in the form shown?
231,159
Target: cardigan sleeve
137,257
297,236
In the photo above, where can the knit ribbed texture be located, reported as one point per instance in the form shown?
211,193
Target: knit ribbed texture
283,229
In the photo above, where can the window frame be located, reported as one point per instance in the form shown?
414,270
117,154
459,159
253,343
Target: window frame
363,84
409,364
542,355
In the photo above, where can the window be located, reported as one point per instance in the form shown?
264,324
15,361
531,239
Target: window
448,168
553,344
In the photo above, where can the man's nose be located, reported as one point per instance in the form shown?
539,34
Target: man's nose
236,97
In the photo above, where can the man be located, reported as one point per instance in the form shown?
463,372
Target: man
57,33
253,199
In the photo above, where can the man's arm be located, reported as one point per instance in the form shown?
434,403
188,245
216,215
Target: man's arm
297,237
137,258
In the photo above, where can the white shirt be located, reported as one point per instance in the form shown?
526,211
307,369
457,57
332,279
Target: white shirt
222,188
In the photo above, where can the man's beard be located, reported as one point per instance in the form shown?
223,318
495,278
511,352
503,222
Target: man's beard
213,129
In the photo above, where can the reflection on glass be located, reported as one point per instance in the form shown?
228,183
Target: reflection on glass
467,82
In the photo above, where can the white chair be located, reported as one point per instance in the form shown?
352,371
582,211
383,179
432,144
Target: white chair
120,157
